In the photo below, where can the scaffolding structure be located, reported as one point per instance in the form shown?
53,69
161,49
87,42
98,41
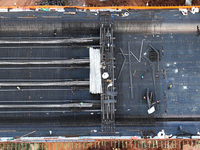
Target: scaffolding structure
108,86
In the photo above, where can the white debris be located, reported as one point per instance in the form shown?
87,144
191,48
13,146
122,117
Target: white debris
60,10
105,75
95,131
184,11
151,110
185,87
176,71
110,84
194,10
161,134
126,14
174,63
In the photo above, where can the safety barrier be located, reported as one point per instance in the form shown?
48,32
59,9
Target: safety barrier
97,8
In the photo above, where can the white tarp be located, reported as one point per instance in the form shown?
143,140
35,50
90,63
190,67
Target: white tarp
95,71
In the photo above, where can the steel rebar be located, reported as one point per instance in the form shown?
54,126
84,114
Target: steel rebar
45,62
122,64
66,83
130,74
70,105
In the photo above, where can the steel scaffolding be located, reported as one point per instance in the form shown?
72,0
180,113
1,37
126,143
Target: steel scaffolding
107,62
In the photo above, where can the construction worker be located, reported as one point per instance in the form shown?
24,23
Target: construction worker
180,127
18,88
157,102
198,31
170,86
54,33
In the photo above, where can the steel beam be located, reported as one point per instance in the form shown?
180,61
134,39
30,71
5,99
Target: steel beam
45,62
53,111
52,101
148,101
130,67
66,83
122,64
48,41
70,105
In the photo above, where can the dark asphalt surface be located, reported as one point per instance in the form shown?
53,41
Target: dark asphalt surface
180,62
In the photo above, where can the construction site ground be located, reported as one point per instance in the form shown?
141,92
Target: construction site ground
178,66
121,144
18,2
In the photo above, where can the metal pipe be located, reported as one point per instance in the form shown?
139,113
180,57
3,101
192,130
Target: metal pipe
66,83
139,60
153,74
46,67
148,101
47,41
154,80
146,59
130,74
56,111
52,101
47,46
43,89
37,80
45,62
122,64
